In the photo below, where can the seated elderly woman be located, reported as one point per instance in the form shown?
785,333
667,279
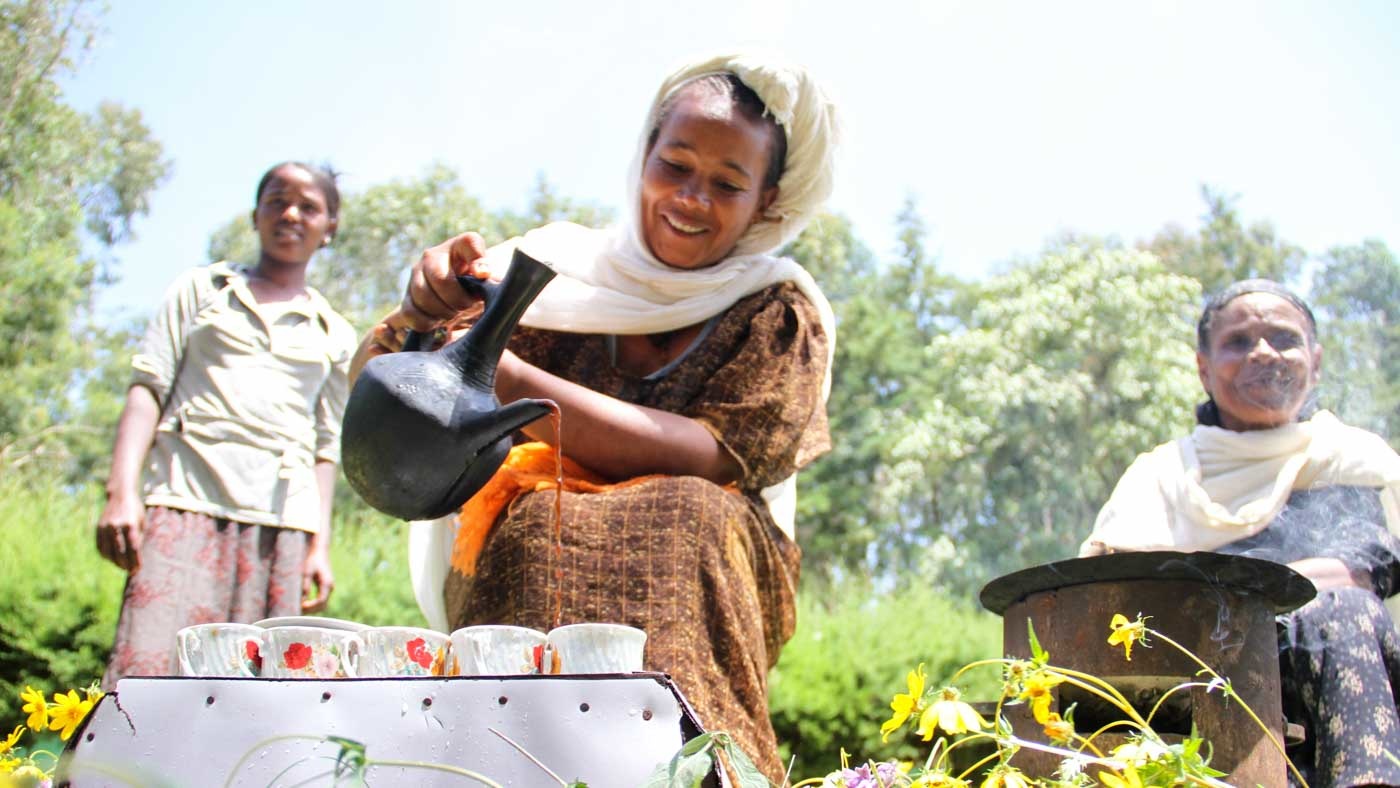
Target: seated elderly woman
690,367
1255,479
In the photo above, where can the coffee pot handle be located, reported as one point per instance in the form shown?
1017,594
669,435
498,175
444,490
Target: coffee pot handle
484,289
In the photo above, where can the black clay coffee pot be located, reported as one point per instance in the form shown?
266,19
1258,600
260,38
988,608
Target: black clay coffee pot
423,431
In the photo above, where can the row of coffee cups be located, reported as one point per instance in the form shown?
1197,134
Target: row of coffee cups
345,650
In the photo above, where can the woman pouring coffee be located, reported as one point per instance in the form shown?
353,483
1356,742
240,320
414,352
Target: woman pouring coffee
690,367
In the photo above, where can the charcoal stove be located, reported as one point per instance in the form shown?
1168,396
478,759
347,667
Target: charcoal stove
1221,607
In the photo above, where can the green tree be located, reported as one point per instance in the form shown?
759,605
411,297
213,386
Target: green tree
384,230
1224,250
1356,294
836,521
547,205
1020,421
71,185
886,314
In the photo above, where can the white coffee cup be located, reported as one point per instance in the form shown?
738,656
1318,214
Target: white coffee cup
594,648
497,650
403,651
310,652
219,650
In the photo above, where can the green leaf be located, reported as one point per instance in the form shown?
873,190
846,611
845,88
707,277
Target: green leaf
688,768
746,774
1038,654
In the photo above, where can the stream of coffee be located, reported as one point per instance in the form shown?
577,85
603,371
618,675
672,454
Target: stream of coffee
556,420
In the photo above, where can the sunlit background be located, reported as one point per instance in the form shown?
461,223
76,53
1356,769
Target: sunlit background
1007,122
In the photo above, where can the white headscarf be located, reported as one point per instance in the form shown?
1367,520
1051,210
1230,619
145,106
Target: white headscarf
1216,486
609,282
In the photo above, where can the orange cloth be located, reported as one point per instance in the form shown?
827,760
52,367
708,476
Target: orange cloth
529,467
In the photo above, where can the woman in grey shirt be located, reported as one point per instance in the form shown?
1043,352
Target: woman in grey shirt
219,500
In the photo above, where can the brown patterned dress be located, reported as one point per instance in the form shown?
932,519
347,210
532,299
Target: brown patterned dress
703,570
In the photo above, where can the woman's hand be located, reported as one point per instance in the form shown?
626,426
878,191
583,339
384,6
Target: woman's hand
119,530
317,579
434,296
387,336
119,527
1326,573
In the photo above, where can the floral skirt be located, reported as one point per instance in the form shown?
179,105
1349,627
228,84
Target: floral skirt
1340,665
197,569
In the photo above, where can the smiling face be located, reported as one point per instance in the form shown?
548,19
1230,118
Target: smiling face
291,217
702,181
1261,363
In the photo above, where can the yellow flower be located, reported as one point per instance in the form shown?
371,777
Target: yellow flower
904,705
1036,688
36,708
1004,776
1140,750
951,714
1130,778
69,712
11,740
94,694
1057,730
1125,632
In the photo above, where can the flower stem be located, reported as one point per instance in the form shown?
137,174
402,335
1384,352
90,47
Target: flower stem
441,767
265,742
529,757
1096,686
1229,690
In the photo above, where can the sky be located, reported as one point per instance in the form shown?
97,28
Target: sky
1007,123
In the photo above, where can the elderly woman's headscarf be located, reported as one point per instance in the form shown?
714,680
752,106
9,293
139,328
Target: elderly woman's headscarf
610,282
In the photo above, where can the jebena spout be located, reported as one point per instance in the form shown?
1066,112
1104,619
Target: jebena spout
516,415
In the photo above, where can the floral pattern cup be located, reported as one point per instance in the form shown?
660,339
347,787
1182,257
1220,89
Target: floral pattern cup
594,648
220,650
403,651
496,650
310,653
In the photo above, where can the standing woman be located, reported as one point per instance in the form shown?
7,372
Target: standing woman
219,501
690,365
1262,477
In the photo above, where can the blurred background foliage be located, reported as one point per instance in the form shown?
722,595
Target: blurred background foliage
977,425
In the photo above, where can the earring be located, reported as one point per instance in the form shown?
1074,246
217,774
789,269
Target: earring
326,241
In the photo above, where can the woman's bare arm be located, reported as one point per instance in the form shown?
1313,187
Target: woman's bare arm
122,518
617,439
1328,573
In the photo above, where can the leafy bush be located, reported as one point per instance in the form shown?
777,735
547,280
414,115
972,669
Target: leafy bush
58,598
369,552
851,652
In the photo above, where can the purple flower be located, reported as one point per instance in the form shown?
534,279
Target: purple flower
884,776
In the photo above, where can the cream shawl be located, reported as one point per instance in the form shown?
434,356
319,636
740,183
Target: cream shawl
609,281
1216,486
